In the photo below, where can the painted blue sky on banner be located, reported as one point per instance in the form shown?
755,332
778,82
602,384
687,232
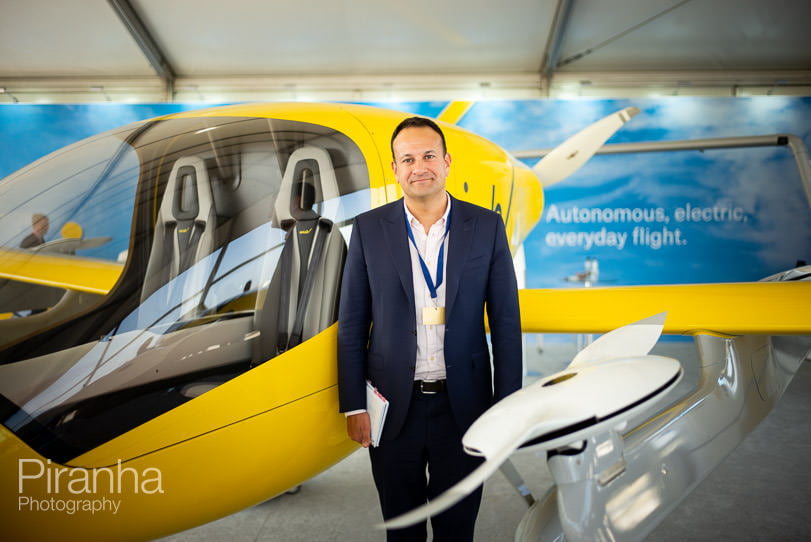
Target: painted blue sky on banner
676,217
665,217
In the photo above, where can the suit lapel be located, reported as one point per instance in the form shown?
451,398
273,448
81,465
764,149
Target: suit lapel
394,230
459,242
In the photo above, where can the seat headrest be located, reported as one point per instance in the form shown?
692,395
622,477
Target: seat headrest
303,194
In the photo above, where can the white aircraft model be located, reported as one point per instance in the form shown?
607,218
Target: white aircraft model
621,457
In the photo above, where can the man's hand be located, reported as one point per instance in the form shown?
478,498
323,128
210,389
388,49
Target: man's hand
359,428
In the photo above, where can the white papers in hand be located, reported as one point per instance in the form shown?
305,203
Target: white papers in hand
376,406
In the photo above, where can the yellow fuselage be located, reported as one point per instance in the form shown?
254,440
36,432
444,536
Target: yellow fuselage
262,432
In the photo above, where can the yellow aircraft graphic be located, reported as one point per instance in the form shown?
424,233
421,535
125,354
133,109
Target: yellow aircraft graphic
196,375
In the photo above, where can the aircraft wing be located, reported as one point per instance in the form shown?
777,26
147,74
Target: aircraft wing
730,309
59,270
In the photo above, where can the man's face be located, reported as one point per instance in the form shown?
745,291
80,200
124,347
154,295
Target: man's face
420,165
41,227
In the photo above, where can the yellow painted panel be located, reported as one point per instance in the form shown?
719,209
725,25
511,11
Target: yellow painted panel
773,308
307,369
59,271
171,490
454,111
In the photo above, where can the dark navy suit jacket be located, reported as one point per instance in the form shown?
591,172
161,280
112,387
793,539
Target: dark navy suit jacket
377,338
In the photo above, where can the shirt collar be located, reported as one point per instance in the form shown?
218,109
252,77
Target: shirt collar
443,220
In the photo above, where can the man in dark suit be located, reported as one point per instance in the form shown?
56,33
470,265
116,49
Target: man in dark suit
39,227
419,273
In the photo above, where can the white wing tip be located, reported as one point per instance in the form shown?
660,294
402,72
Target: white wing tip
628,112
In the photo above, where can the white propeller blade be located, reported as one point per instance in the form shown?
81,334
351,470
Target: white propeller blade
453,495
567,157
565,407
636,339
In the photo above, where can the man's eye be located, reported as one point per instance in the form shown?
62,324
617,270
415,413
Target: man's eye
430,156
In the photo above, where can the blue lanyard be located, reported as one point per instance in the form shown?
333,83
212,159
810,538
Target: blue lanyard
440,261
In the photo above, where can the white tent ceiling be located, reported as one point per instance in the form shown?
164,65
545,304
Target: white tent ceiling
83,50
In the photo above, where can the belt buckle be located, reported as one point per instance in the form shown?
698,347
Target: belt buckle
422,390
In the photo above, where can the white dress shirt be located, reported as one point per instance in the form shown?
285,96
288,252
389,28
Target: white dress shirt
430,338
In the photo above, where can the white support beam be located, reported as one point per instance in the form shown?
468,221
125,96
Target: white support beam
551,54
153,53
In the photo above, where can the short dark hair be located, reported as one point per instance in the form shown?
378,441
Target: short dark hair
418,122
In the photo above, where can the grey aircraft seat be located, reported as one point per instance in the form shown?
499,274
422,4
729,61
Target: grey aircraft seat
302,299
184,231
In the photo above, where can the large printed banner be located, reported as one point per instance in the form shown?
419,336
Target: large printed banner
665,217
642,218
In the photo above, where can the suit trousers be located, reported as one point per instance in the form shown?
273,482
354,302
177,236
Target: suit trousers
430,439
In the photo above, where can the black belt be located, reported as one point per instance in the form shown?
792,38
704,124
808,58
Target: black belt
430,386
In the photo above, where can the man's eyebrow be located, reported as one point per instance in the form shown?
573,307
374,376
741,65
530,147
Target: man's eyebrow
426,151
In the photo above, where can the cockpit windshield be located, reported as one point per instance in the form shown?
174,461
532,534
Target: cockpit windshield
75,187
231,236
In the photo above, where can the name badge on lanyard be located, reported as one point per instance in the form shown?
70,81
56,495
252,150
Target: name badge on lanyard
432,316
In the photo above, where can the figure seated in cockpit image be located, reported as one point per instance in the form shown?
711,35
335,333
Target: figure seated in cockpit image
39,227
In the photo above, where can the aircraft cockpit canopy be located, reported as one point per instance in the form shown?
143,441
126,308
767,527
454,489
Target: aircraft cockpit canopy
230,235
